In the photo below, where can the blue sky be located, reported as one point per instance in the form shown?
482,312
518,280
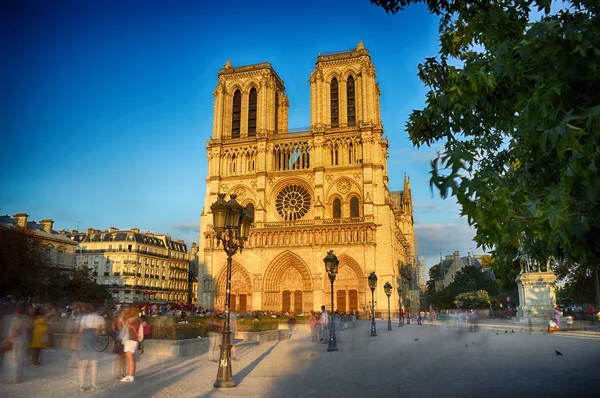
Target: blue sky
107,106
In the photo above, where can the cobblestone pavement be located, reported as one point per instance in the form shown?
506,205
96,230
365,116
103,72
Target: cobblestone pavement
412,361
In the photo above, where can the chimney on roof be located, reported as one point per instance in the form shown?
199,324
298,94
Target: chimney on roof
21,219
89,231
149,234
74,231
469,258
113,229
180,241
135,230
47,225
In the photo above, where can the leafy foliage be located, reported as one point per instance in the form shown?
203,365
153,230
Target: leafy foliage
27,272
468,279
516,104
474,299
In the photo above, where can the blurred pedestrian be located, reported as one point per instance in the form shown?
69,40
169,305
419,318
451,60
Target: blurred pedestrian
557,315
117,334
52,317
39,336
134,334
15,344
214,330
90,325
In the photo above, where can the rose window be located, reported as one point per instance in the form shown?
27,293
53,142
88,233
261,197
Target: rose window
293,202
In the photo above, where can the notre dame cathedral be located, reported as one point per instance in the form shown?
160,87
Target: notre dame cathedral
311,191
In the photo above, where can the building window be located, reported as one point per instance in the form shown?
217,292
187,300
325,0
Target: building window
337,208
236,115
354,209
252,113
276,112
335,118
293,202
351,101
250,209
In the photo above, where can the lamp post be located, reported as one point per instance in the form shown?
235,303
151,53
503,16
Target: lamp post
388,292
408,311
331,265
232,226
373,284
400,320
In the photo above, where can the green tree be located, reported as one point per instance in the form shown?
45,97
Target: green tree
25,271
515,102
433,273
474,299
24,265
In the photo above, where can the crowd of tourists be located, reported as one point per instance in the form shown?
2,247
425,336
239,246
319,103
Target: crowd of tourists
28,332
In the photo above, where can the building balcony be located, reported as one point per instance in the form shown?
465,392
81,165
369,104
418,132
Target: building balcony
303,223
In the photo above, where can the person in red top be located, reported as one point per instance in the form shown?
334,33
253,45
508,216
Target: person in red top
133,335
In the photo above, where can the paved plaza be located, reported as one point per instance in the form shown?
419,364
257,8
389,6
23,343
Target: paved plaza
413,361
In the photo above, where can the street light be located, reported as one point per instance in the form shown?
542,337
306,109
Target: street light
331,265
400,319
373,284
388,292
232,226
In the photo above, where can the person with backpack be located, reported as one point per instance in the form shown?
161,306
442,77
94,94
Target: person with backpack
133,336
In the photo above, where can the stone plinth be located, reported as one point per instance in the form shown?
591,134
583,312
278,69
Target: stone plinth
536,296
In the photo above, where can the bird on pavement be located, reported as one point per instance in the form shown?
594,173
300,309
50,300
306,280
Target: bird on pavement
496,333
416,339
560,354
512,331
506,331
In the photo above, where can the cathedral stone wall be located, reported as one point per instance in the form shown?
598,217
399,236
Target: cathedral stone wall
310,191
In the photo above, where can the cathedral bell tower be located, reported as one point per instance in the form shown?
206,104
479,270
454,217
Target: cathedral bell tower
250,101
343,90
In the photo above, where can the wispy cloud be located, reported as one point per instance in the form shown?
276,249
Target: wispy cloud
444,238
187,227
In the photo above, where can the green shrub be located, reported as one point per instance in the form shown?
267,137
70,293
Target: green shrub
253,326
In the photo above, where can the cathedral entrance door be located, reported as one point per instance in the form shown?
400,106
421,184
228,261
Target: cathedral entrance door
242,305
341,300
298,301
353,296
285,301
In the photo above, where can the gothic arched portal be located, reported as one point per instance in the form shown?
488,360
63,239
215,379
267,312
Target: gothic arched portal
241,288
287,285
349,286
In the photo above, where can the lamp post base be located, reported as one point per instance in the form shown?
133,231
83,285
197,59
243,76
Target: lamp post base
373,328
225,372
389,324
332,340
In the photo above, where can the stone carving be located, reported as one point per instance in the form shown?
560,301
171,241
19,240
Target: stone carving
240,192
357,176
253,184
329,178
224,188
344,186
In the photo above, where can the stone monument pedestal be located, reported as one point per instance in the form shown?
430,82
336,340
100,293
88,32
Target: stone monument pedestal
537,298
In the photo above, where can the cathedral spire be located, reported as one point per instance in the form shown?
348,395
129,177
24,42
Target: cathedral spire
360,45
228,64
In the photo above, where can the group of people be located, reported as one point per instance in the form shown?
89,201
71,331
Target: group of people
24,326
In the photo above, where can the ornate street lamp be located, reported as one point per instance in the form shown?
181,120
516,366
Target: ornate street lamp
232,226
388,292
373,284
331,265
400,320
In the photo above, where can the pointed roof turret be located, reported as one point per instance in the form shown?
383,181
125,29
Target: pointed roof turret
360,45
228,64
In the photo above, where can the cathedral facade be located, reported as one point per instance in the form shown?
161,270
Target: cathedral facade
310,191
